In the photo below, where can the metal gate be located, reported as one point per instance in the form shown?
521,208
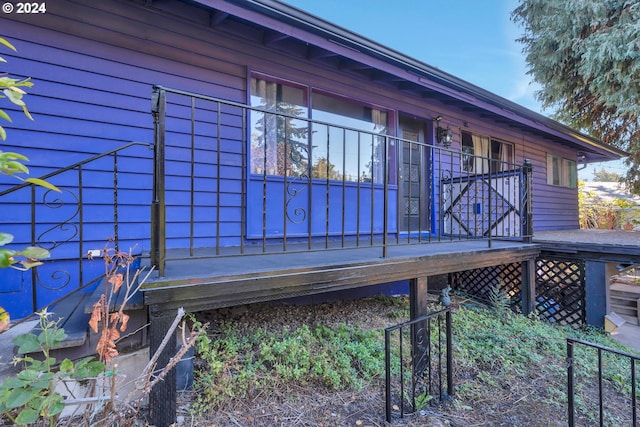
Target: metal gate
483,205
612,383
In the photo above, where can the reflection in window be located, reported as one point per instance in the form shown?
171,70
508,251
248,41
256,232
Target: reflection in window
348,145
353,151
279,144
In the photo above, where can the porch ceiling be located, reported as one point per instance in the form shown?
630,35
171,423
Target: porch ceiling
293,31
207,283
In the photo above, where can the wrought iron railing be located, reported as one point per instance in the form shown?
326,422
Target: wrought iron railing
83,216
623,395
418,363
232,179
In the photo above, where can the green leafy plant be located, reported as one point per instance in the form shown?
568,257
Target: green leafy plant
31,395
499,300
422,400
235,364
11,164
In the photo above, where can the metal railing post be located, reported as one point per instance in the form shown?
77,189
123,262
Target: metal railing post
634,406
385,208
158,208
449,326
387,364
490,204
422,361
527,202
570,384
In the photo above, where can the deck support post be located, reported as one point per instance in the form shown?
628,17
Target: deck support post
162,399
528,291
597,279
419,331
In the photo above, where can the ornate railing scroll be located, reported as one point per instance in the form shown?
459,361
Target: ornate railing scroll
418,363
59,222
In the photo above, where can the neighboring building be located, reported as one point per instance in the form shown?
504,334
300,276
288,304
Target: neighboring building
610,206
275,155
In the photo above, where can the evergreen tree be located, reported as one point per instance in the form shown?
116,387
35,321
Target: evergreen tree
604,175
586,56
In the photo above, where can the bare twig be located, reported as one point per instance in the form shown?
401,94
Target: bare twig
150,367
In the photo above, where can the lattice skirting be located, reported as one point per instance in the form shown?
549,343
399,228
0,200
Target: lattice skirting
560,287
560,290
507,278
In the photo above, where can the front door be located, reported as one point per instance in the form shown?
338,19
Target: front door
414,182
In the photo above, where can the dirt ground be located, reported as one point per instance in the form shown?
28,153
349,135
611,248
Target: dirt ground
292,405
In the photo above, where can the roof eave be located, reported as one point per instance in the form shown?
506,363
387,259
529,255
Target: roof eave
424,74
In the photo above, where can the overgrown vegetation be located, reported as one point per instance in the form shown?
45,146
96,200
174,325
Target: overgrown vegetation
239,365
102,396
613,214
32,394
509,369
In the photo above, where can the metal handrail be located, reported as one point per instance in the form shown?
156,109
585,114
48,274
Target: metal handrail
171,106
570,363
424,353
64,276
74,165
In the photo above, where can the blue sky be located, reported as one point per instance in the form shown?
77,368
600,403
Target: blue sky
474,40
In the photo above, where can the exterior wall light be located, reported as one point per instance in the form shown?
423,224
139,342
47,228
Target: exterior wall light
445,137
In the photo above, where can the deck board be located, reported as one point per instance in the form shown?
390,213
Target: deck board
204,283
606,245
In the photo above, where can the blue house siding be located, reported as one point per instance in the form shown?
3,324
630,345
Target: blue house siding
555,208
319,209
94,66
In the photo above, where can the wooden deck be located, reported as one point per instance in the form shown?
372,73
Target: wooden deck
605,245
206,283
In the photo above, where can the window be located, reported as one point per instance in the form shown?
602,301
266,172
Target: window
347,145
279,143
561,172
351,150
479,152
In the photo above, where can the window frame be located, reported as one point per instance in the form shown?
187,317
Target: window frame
562,172
309,90
469,156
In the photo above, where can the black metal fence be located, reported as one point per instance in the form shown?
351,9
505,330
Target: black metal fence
419,363
232,179
615,368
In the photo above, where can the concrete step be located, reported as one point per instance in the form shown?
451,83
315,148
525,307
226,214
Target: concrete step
625,301
74,313
625,289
